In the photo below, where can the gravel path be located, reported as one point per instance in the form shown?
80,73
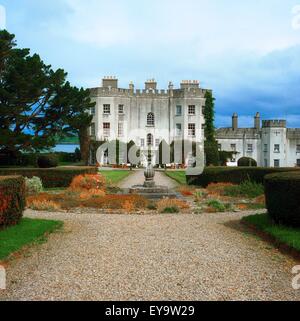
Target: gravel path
138,178
155,257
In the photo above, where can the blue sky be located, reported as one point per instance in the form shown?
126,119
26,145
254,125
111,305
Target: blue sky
247,51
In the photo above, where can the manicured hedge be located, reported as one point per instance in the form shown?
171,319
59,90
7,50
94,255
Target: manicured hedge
12,200
234,175
52,177
283,198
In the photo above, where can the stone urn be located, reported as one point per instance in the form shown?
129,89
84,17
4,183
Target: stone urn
149,176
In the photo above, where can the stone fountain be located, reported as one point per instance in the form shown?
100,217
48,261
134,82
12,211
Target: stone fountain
150,189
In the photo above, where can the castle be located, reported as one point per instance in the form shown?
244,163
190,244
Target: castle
269,142
147,117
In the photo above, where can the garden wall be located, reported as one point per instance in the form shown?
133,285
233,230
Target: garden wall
234,175
52,177
12,200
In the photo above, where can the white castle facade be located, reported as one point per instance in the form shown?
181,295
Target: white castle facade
148,116
269,142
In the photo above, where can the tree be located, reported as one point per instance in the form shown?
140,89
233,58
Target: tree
37,104
77,117
210,145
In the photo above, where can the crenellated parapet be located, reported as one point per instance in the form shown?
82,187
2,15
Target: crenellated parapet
109,88
274,124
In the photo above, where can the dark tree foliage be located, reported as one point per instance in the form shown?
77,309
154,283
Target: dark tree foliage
211,145
36,103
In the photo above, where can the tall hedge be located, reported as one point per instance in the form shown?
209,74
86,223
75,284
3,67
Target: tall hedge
51,177
12,200
234,175
283,198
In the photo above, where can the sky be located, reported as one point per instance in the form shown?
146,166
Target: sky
247,52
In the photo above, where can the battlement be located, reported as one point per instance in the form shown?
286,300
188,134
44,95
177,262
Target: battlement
274,124
189,88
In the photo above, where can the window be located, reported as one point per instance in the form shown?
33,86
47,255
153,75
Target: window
233,147
178,129
157,142
266,148
120,129
150,119
219,147
142,142
93,130
150,140
192,130
93,110
298,162
106,129
178,110
276,148
298,148
106,109
121,109
276,162
250,148
203,110
266,162
192,110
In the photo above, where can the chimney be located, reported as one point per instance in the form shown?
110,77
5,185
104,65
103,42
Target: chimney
150,84
110,82
235,121
257,121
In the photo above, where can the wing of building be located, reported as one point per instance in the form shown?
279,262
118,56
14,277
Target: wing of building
269,142
148,116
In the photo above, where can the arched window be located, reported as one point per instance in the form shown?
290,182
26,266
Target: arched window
150,140
150,119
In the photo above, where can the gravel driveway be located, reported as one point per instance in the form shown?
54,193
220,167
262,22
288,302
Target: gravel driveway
159,257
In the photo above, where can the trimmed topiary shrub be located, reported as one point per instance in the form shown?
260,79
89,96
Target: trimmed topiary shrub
47,161
51,177
12,200
234,175
283,198
247,162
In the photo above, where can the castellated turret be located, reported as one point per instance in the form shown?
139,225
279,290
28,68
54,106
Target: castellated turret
274,124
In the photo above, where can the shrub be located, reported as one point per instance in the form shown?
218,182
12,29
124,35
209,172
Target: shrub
216,205
47,161
234,175
44,205
247,162
33,185
283,198
12,200
51,177
171,210
246,189
88,182
170,203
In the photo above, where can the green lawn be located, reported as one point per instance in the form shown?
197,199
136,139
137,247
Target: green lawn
115,176
178,176
29,231
284,235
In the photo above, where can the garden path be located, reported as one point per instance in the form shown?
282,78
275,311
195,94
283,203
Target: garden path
137,178
150,257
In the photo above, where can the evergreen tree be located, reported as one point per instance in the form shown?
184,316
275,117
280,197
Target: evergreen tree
37,104
211,145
